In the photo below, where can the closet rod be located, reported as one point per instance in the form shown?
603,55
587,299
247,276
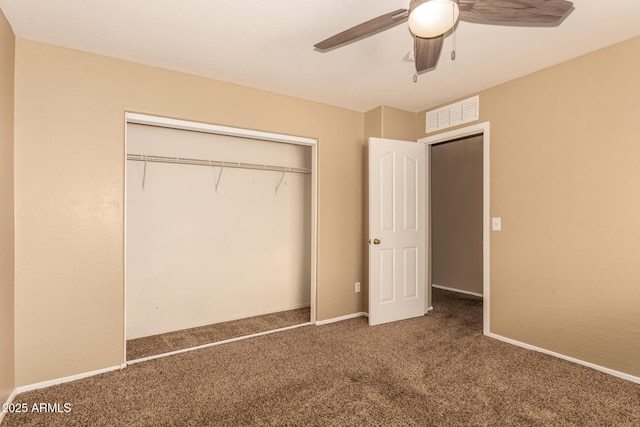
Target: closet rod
200,162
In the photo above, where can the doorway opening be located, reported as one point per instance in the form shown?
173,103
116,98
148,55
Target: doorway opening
458,189
220,231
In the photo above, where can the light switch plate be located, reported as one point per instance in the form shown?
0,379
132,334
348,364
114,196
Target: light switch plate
496,223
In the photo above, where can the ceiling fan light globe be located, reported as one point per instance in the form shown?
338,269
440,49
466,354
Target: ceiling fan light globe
432,18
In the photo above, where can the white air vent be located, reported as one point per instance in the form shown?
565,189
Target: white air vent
464,111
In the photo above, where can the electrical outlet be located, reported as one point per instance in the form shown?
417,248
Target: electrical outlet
357,286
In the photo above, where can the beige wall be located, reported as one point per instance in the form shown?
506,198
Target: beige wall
7,48
456,214
372,129
373,123
398,124
565,146
69,130
391,123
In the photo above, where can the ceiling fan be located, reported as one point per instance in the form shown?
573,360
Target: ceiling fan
430,20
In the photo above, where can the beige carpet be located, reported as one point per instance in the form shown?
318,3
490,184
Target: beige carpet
438,370
193,337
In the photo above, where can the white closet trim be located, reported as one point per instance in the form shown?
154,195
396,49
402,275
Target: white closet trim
144,119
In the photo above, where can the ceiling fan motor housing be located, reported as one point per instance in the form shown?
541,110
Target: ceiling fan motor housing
432,18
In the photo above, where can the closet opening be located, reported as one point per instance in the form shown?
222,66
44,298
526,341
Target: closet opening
459,222
457,227
456,215
220,234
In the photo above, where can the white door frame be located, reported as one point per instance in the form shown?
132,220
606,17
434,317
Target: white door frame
166,122
477,129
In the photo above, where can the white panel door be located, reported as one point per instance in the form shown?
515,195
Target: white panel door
397,230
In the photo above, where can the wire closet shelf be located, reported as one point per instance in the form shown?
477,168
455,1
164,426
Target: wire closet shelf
218,163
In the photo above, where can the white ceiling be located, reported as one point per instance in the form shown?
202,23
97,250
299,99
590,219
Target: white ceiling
268,44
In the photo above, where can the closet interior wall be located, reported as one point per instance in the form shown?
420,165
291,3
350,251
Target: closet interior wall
456,214
196,255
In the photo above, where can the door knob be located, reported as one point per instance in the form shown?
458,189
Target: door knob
376,241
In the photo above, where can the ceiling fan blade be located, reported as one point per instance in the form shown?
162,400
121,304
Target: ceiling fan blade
427,52
466,4
516,11
365,29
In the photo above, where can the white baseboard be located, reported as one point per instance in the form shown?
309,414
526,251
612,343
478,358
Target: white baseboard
341,318
460,291
615,373
8,402
43,384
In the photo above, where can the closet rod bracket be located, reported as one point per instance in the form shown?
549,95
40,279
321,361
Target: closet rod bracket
144,171
219,176
284,172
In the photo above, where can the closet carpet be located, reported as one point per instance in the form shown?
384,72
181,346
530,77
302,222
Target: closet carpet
437,370
193,337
